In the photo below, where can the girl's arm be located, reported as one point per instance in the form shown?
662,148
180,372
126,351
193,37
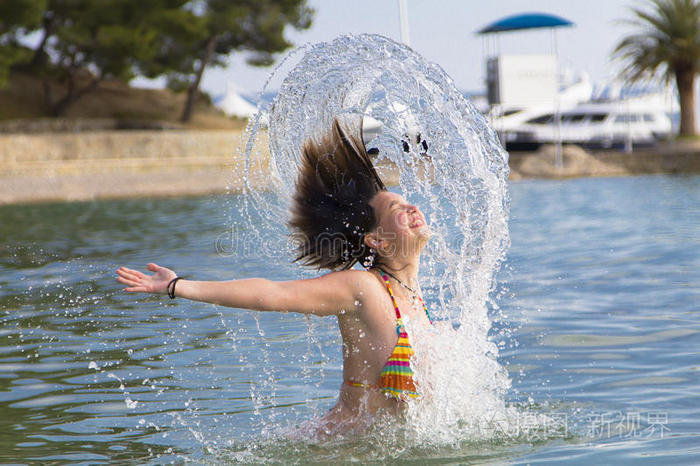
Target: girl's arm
326,295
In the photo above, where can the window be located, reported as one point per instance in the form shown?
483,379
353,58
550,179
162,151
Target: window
648,117
541,120
598,117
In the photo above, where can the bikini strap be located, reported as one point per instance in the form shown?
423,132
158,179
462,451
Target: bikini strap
399,320
425,308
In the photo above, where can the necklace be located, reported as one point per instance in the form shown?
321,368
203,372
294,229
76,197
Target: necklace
391,293
414,293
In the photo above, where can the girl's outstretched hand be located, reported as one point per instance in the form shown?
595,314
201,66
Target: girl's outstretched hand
140,282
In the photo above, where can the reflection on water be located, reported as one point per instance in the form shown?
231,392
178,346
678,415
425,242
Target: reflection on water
602,286
614,340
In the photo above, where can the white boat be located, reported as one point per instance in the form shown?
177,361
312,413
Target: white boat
506,118
626,122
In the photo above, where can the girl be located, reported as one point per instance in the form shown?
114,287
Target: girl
342,214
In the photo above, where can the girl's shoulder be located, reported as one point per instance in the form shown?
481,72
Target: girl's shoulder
360,281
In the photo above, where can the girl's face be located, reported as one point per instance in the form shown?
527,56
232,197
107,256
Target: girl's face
401,225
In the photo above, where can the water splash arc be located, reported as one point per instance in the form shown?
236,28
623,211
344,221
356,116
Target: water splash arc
459,182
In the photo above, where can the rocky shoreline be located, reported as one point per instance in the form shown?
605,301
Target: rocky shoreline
109,164
672,158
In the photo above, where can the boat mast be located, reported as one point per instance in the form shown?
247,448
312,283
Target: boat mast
403,20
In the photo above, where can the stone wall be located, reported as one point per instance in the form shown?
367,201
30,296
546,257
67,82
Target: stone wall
29,154
109,164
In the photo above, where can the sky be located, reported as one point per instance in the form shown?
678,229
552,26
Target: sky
443,31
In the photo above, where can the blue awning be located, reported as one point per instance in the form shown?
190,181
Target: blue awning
525,21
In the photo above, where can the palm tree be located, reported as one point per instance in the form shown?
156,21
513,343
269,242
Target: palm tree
667,45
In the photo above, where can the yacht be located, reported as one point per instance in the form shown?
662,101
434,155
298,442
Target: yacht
632,121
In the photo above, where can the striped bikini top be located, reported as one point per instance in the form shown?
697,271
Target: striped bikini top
396,378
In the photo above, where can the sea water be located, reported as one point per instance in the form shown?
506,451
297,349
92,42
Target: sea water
599,295
136,377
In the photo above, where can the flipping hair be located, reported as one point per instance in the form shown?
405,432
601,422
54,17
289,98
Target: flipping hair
330,208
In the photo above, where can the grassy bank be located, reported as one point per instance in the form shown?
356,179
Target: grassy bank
112,105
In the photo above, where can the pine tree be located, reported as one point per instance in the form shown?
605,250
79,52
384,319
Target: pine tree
110,39
17,18
256,26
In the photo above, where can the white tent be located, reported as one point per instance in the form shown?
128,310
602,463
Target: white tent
234,105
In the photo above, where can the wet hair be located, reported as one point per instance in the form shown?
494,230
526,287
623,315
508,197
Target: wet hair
330,208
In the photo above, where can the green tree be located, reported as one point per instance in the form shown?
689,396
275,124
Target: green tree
668,45
225,26
17,18
84,42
